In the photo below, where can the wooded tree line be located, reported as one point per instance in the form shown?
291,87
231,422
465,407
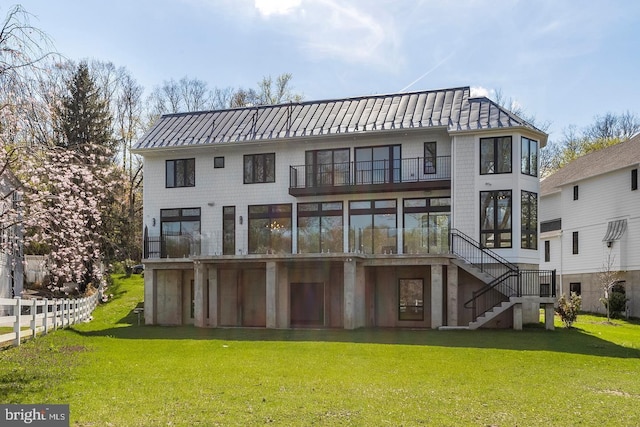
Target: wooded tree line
68,178
67,174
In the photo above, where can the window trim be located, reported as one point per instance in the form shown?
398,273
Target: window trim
218,162
494,141
254,179
575,243
174,178
530,169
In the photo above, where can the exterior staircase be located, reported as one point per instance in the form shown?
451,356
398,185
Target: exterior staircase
505,283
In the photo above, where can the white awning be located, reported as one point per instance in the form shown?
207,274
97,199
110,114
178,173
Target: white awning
615,230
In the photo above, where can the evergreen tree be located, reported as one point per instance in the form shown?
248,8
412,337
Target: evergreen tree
85,119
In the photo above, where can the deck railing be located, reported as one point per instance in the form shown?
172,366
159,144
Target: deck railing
373,172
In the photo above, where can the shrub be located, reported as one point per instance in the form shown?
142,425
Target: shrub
616,304
568,308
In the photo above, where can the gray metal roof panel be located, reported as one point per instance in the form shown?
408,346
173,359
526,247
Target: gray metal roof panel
452,108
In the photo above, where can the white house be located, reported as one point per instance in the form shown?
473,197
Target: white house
345,213
590,223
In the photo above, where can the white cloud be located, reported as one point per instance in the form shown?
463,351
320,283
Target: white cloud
479,91
276,7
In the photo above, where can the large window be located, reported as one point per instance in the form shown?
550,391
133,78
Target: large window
411,299
229,230
495,155
259,168
320,227
426,225
270,229
529,157
372,227
327,167
377,165
180,229
529,220
180,173
495,219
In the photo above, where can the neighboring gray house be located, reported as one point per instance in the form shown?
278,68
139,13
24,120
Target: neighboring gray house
402,210
590,222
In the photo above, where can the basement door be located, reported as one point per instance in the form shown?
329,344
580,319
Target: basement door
307,304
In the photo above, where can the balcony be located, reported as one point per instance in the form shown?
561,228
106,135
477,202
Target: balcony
368,241
371,176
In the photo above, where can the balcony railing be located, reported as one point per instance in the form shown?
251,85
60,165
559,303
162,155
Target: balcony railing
418,173
372,241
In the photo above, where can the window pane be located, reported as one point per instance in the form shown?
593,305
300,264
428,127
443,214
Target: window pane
270,165
190,173
248,169
385,234
331,234
525,159
504,155
360,233
486,156
411,299
309,235
170,174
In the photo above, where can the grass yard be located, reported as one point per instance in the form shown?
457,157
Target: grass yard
115,373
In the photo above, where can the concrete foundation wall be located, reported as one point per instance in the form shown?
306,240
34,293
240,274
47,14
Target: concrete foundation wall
169,297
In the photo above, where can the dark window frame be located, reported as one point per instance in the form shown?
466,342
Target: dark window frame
327,174
485,169
575,241
388,170
228,230
273,212
528,231
576,193
218,162
418,308
529,163
251,171
634,179
320,213
373,210
575,287
176,167
430,157
497,233
547,251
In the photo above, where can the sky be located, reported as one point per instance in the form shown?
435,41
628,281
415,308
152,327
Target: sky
563,61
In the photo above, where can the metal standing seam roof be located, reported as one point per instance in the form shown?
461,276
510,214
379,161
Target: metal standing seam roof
452,109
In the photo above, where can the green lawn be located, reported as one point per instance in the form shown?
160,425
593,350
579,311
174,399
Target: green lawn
115,373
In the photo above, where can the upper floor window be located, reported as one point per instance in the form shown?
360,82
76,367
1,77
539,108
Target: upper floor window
575,192
575,241
430,157
634,179
259,168
529,158
327,167
495,155
180,173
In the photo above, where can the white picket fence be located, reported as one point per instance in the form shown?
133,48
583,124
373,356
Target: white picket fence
35,316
